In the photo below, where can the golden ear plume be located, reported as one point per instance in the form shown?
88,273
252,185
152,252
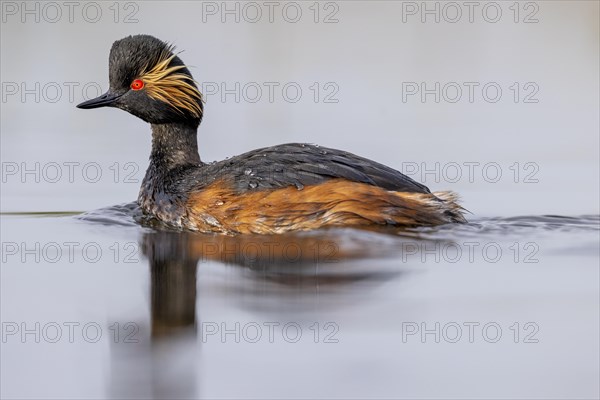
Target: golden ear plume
165,84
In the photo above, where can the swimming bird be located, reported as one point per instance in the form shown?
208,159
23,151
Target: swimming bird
284,188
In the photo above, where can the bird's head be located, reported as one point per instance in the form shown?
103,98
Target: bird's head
148,80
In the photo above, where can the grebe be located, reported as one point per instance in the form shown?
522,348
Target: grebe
273,190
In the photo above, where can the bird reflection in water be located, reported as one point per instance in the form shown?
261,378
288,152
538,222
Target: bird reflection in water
164,363
295,261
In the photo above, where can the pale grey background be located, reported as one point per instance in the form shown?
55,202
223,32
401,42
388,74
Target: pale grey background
368,54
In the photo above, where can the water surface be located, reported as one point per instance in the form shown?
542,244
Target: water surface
509,306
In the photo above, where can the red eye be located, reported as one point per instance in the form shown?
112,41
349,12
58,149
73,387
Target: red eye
137,84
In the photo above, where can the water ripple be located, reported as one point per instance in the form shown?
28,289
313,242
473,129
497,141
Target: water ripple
130,214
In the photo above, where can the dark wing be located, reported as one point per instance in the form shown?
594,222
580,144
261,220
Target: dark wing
301,165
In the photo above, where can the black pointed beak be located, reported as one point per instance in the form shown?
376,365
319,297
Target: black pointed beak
107,99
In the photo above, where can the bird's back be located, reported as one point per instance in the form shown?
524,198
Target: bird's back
301,165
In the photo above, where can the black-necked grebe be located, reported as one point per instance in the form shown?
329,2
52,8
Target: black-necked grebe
271,190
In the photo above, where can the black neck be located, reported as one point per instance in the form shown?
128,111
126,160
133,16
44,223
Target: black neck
174,145
174,149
